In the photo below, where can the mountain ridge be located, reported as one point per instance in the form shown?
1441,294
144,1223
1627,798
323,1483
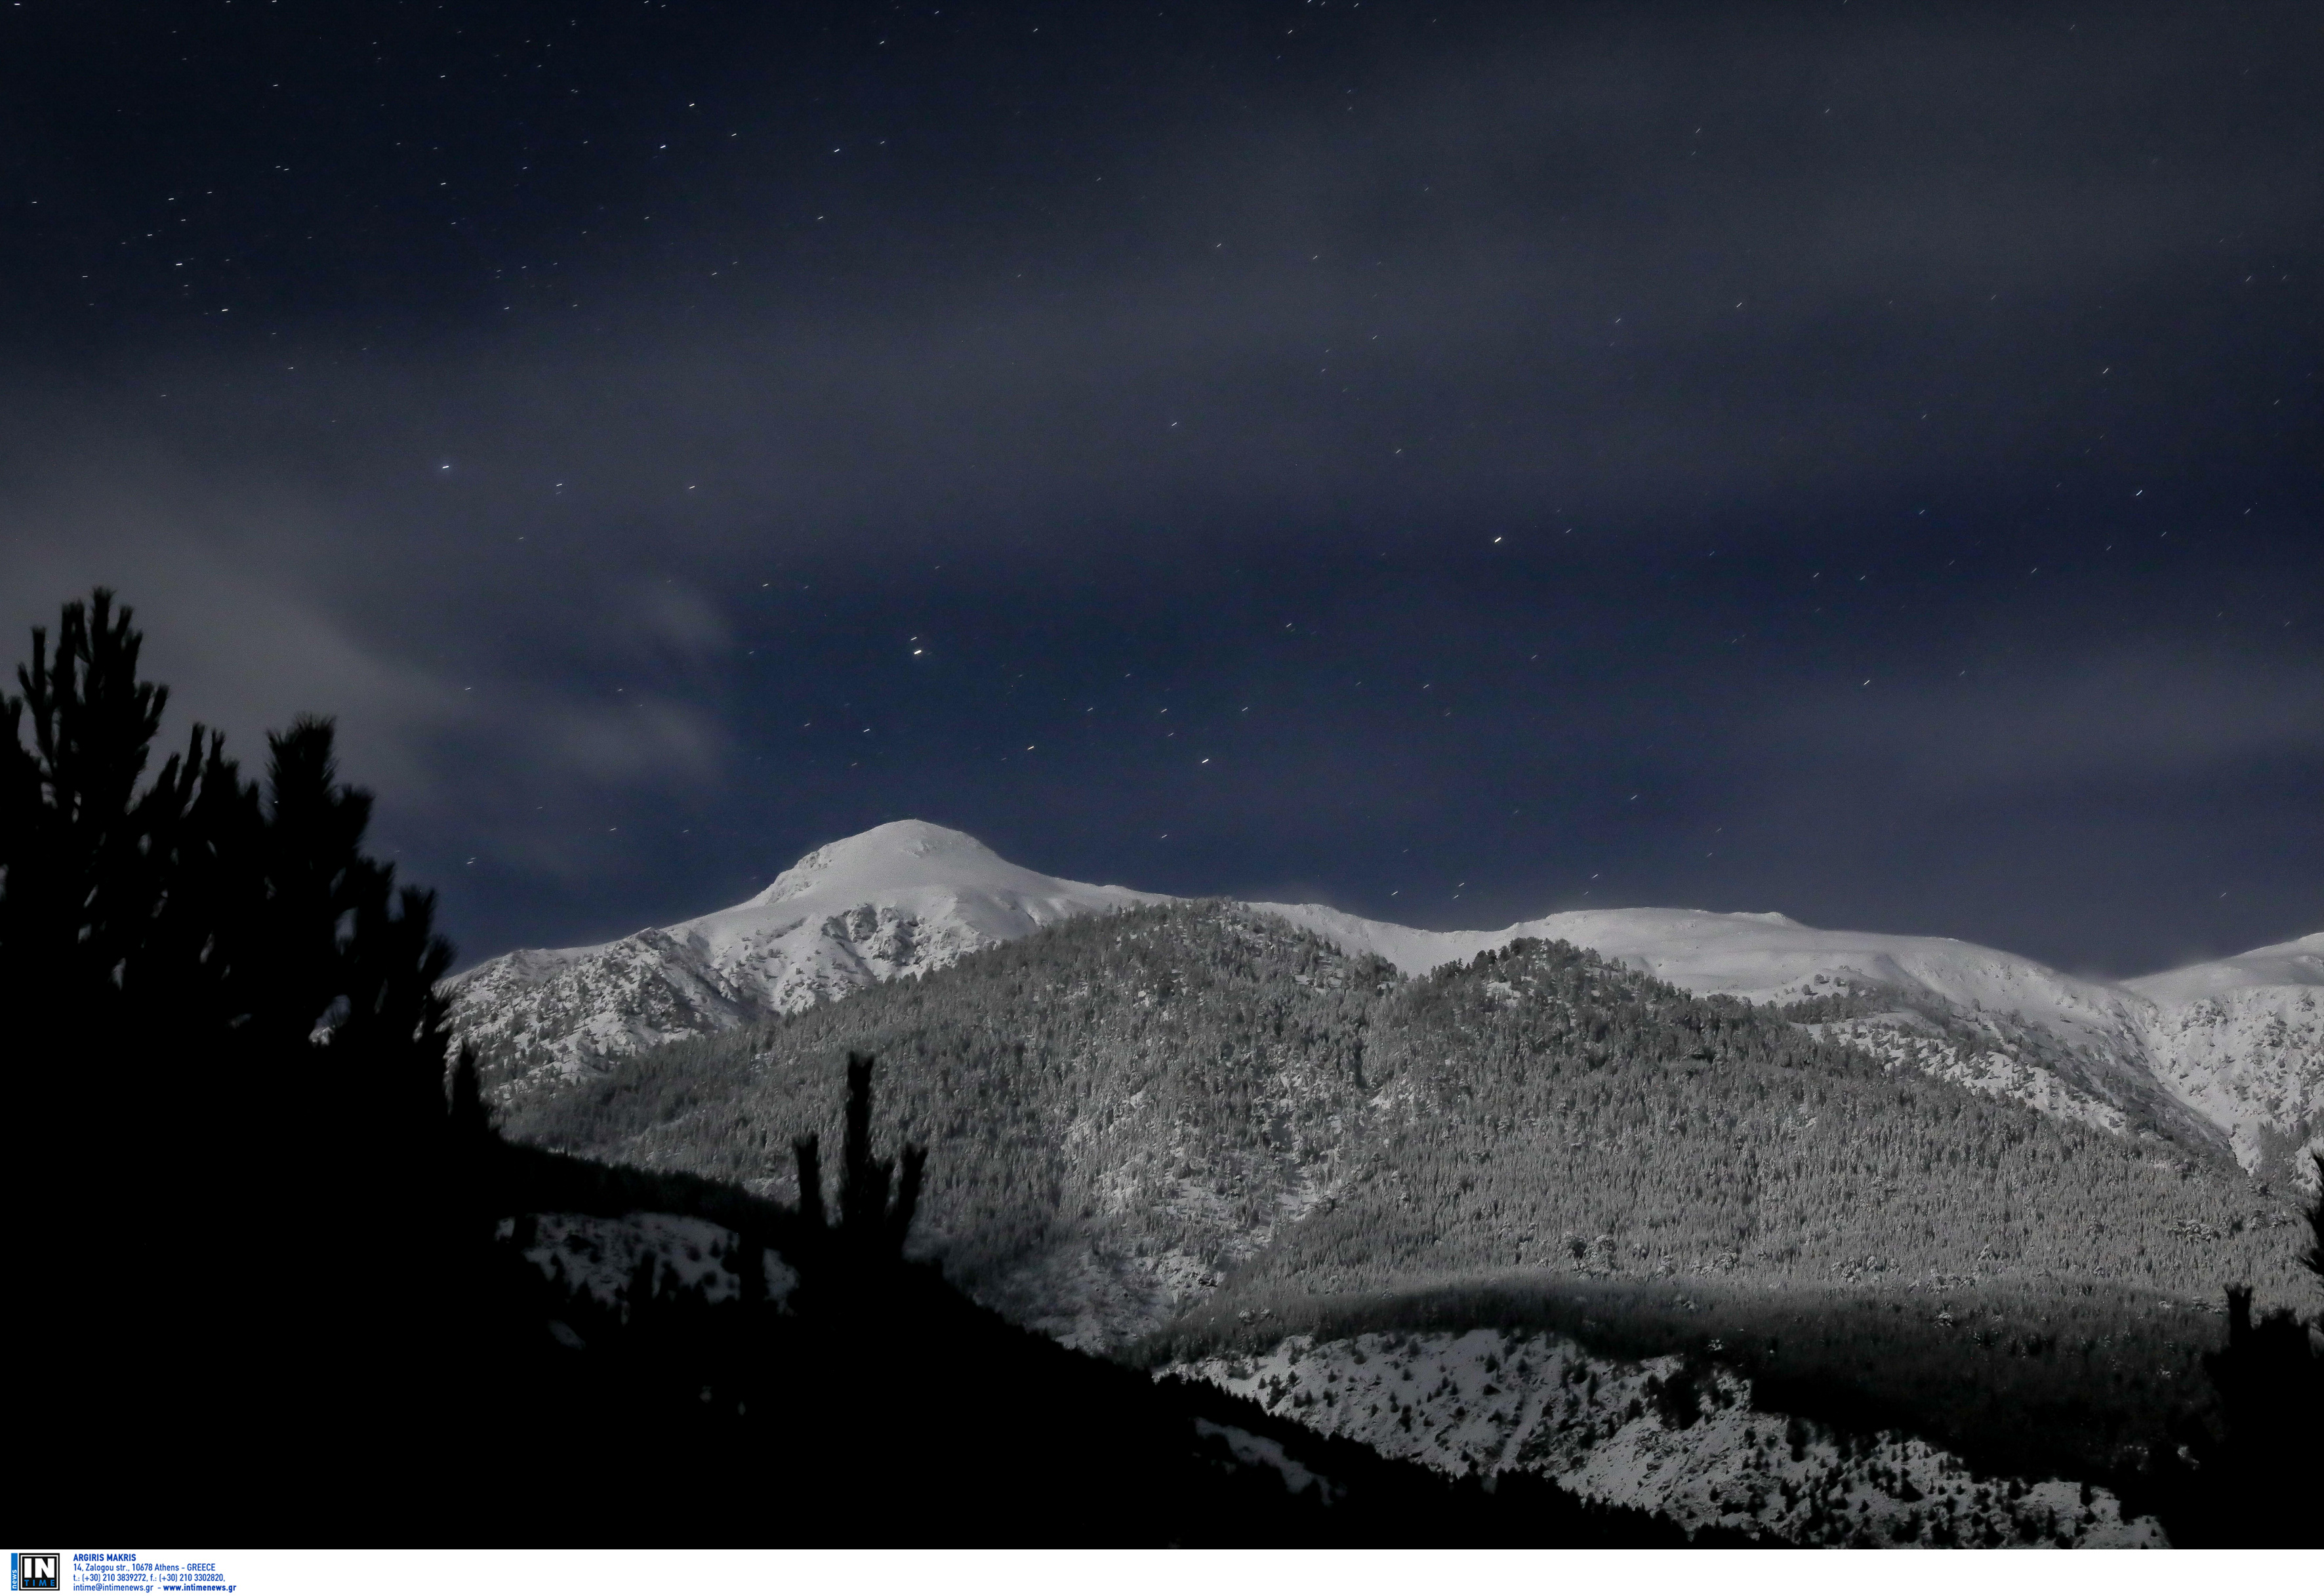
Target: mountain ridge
2225,1057
1125,1115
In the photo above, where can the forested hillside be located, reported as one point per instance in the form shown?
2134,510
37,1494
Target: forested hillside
1125,1112
1117,1109
1543,1108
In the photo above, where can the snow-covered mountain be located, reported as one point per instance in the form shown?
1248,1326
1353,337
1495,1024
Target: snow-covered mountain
2227,1055
900,899
2241,1041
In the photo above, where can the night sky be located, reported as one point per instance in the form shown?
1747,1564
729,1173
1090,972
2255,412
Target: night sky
1454,462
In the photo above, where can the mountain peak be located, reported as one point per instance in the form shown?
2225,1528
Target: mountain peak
914,849
902,899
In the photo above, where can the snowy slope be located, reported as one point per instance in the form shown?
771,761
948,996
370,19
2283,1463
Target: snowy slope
1989,1020
1769,958
553,1008
2228,1053
2241,1041
900,899
2284,966
1493,1400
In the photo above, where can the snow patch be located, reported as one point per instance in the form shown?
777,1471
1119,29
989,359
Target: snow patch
1664,1435
601,1255
1268,1453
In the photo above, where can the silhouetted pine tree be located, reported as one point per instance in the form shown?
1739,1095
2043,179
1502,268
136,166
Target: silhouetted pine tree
84,854
234,1058
185,941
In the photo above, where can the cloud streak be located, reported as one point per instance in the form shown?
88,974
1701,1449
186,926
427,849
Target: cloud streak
2141,715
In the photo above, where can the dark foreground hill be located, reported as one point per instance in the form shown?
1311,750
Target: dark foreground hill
458,1396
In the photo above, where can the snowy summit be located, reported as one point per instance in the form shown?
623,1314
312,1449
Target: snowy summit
902,899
